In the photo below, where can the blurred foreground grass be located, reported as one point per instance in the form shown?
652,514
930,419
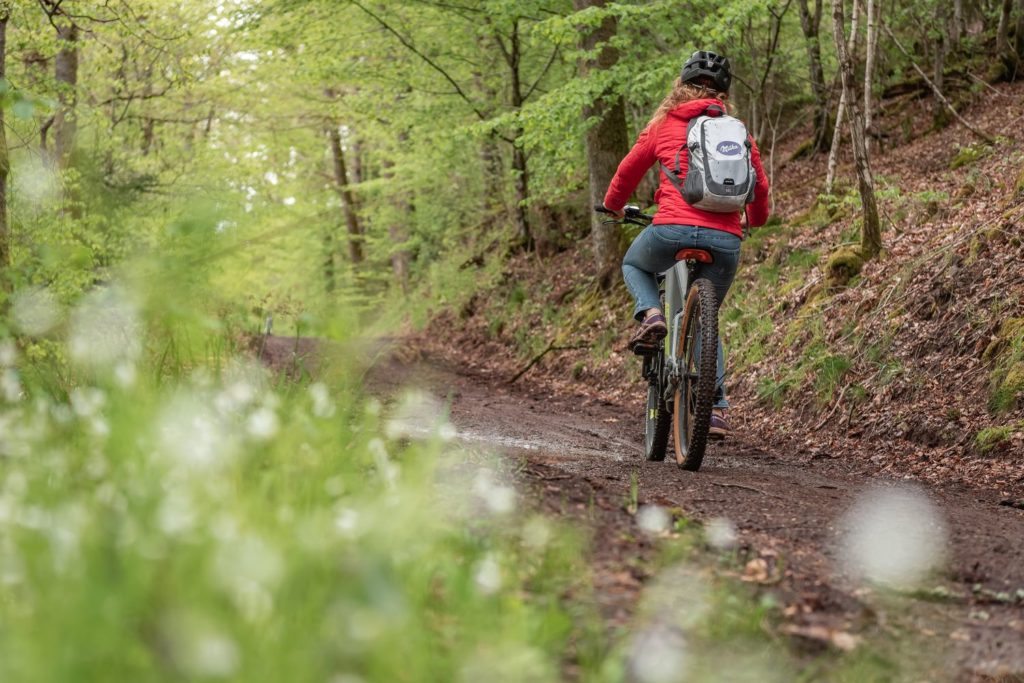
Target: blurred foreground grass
170,510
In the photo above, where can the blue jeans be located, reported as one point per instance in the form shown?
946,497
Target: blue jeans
654,251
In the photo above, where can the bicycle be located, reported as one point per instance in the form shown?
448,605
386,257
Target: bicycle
680,379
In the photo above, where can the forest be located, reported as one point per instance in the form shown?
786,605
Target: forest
313,356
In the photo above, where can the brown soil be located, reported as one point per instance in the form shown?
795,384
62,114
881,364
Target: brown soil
579,455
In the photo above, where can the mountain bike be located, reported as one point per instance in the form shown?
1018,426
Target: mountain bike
680,379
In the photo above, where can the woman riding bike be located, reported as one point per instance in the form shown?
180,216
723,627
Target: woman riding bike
701,89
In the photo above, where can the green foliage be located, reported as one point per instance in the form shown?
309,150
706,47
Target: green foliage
990,438
967,155
830,370
1006,353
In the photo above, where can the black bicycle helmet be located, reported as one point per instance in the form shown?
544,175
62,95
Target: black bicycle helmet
707,68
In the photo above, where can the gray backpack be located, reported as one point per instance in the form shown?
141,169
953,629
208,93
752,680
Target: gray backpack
720,176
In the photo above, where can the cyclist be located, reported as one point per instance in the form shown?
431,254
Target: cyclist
704,82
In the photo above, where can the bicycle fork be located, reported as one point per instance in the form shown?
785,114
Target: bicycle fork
677,282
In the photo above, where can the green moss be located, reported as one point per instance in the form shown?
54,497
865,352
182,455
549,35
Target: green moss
988,439
1012,330
968,155
842,266
1006,353
802,259
1008,389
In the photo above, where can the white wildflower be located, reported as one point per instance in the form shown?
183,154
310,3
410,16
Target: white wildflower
893,535
8,353
487,576
191,433
653,520
87,402
201,649
262,424
536,533
499,498
323,406
34,311
721,533
347,522
105,329
10,385
658,655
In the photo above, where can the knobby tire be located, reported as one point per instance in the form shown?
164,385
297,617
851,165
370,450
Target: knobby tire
691,414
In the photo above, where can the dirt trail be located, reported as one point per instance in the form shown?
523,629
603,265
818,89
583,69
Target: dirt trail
785,506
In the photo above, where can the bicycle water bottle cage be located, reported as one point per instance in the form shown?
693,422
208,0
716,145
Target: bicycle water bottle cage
698,255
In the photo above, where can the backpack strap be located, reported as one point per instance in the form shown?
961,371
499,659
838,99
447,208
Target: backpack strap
686,138
716,108
673,176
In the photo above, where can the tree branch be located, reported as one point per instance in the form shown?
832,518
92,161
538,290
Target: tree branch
412,48
938,93
543,73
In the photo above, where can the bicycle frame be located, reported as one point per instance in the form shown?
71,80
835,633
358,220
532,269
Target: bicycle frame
677,285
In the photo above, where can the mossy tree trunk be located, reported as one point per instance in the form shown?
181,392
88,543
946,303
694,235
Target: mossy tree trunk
607,143
871,230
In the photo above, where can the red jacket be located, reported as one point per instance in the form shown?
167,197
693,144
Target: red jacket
660,142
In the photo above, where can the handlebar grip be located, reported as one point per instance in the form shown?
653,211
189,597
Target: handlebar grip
600,208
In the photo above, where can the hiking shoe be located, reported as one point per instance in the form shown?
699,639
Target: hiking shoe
647,337
719,426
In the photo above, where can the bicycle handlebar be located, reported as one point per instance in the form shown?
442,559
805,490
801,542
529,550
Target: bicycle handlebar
631,211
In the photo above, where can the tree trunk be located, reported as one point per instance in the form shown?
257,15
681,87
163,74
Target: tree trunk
519,163
871,42
524,235
329,256
490,161
837,133
871,231
66,72
810,23
398,230
5,161
607,143
1020,34
939,114
1003,31
344,190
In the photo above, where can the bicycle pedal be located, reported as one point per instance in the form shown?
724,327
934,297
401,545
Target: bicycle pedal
643,350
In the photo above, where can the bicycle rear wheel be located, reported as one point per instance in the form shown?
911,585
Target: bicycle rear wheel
657,417
695,394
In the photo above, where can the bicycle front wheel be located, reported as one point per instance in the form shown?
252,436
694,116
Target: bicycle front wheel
697,362
656,419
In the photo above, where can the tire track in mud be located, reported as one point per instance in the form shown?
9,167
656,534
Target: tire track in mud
786,507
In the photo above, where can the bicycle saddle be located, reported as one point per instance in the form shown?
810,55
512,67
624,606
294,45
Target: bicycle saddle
694,255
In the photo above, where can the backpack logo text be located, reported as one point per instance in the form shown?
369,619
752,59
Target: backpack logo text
729,148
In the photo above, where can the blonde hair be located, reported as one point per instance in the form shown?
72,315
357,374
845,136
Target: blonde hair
685,92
